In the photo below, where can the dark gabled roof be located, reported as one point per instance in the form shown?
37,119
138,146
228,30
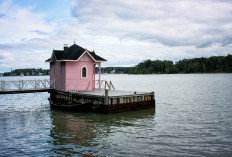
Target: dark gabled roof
58,54
73,53
96,57
48,60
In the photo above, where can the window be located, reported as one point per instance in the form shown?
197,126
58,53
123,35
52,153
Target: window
84,72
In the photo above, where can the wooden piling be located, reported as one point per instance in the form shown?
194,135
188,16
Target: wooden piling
106,96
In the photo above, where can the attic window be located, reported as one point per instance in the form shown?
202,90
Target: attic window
84,72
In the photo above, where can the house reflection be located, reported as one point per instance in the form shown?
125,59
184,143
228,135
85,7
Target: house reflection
68,128
81,133
119,119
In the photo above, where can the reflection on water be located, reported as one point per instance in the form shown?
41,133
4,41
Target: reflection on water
82,133
71,131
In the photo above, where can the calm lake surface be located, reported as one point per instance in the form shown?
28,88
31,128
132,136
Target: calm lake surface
193,117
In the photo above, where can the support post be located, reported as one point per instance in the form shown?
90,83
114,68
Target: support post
35,84
153,96
22,84
3,85
54,87
99,75
19,85
94,77
106,96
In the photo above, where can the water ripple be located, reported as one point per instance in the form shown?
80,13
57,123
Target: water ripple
192,118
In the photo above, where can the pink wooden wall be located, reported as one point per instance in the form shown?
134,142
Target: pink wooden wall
63,73
57,72
73,75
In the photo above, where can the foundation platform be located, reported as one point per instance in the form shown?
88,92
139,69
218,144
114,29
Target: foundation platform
103,101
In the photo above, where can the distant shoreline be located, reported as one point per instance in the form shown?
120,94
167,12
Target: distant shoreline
214,64
129,74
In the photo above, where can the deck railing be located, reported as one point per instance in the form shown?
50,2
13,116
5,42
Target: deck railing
104,84
23,85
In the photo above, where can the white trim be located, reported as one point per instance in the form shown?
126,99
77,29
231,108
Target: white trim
76,61
84,54
84,66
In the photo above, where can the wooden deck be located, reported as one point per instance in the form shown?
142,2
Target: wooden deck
113,93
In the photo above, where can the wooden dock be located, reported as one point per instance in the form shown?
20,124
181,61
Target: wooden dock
26,86
104,100
99,100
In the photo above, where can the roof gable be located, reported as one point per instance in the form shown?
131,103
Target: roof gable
86,57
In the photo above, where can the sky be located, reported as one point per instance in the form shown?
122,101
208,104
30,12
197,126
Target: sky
125,33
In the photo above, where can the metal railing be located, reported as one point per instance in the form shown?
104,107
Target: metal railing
73,87
107,85
97,82
23,85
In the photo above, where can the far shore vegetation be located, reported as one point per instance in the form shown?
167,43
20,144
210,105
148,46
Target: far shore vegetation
214,64
27,72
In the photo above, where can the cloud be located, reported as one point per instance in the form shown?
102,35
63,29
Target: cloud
123,32
19,23
5,58
167,29
40,32
172,23
6,55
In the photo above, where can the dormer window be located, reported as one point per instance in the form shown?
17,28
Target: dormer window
84,72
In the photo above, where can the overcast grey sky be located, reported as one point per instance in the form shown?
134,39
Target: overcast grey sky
123,32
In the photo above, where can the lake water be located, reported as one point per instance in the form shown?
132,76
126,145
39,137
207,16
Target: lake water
193,117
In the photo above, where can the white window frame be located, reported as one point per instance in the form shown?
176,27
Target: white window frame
86,71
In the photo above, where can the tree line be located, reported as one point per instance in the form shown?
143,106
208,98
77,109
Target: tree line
114,70
214,64
27,72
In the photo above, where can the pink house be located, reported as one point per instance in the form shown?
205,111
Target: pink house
74,68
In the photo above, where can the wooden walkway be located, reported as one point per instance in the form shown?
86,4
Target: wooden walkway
26,86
